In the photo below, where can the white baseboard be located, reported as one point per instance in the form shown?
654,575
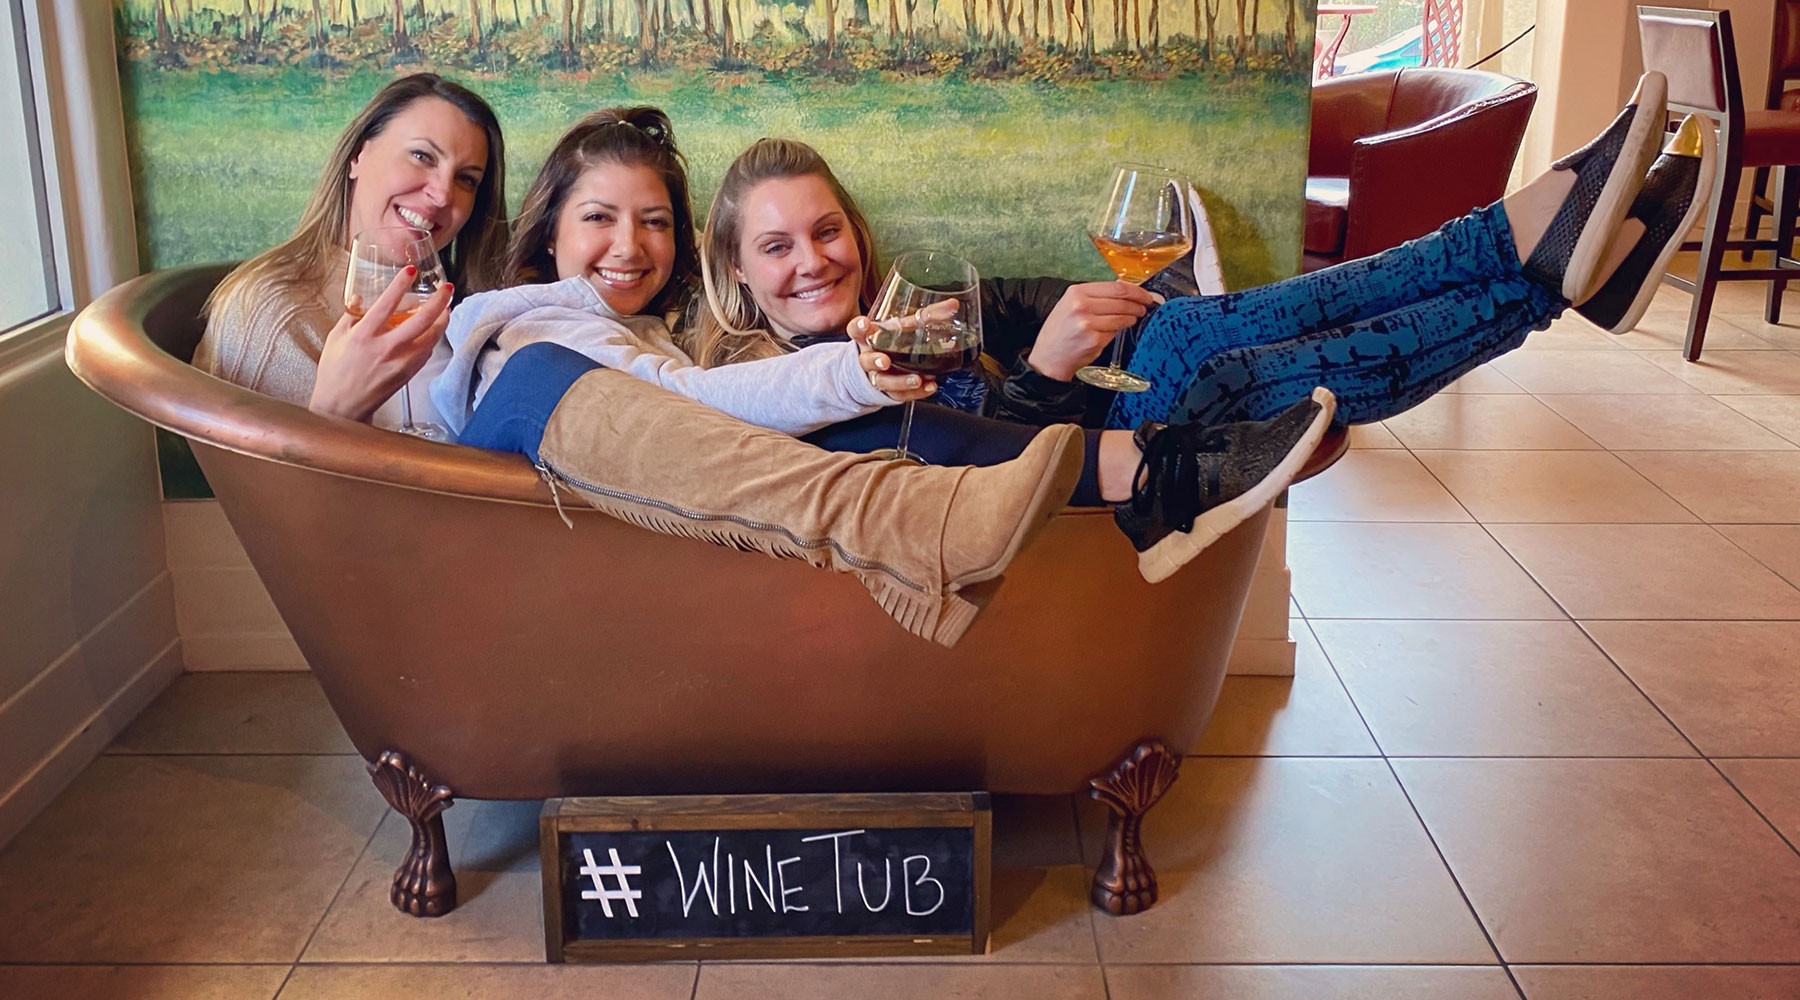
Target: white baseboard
65,716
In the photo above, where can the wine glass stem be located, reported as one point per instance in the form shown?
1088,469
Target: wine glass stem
905,430
1118,352
406,423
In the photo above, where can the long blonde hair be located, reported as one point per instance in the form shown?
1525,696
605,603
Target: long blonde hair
725,325
471,261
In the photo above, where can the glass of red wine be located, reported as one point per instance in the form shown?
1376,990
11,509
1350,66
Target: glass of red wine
377,256
1142,227
928,322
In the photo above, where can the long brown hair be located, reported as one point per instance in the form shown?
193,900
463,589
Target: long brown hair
633,137
728,326
472,258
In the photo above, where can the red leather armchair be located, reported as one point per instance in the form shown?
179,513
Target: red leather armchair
1396,154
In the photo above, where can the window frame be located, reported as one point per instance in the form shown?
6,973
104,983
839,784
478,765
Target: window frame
29,88
81,162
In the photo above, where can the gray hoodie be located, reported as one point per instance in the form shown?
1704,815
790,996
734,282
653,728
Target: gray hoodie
794,393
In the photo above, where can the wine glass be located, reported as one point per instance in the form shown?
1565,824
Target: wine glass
1143,227
376,257
928,322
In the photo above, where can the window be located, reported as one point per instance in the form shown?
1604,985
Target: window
27,268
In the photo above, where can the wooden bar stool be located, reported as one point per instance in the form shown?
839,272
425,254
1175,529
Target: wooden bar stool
1784,67
1695,50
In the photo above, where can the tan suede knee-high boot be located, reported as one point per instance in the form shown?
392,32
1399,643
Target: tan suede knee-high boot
914,535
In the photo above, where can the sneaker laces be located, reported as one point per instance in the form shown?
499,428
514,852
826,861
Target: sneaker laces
1170,471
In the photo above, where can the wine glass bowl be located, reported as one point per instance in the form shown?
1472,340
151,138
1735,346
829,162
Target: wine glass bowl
927,320
377,256
1141,228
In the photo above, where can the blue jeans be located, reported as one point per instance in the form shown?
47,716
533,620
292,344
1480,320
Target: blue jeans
1382,333
517,407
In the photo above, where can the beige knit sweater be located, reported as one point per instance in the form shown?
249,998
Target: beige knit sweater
269,339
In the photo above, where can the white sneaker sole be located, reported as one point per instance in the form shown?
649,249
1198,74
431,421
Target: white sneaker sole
1703,183
1160,561
1642,143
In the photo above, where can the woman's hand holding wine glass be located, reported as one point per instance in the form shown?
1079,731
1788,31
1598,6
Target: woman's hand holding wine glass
1087,318
368,356
396,305
900,385
927,321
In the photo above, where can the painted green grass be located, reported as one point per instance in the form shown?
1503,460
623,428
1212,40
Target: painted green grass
1004,172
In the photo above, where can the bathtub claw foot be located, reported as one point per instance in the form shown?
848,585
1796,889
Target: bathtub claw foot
424,885
1125,883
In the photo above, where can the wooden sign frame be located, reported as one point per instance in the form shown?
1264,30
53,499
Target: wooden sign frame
895,811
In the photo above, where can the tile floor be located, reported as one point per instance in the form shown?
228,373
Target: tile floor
1540,743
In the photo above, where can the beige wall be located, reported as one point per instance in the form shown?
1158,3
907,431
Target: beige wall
87,619
1587,59
87,615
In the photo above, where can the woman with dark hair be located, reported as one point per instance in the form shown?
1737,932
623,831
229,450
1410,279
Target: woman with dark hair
425,153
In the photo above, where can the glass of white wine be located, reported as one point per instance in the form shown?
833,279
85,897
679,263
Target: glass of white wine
377,256
1142,227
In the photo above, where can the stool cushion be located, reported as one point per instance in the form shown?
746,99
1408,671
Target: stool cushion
1771,138
1327,208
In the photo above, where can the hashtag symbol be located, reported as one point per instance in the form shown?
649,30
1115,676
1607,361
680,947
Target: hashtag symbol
624,892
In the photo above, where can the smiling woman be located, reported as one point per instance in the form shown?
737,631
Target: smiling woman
425,153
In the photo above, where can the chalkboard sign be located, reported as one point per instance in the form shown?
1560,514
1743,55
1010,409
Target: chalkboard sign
765,876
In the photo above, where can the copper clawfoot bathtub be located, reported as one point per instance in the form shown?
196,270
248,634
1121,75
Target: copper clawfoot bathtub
474,646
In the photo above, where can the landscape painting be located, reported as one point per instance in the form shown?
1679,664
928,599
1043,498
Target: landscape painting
986,127
982,126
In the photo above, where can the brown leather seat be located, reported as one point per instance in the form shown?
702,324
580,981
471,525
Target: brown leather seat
1396,154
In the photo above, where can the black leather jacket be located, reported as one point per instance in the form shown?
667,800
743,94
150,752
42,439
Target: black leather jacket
1013,310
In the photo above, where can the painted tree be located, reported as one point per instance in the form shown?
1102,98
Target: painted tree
1256,25
1293,47
165,39
401,42
646,36
568,27
475,41
1212,19
830,9
1242,48
318,25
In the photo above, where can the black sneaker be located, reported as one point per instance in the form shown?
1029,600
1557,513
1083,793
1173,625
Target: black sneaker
1196,483
1674,195
1608,172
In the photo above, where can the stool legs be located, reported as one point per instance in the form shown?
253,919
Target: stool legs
1782,202
1712,246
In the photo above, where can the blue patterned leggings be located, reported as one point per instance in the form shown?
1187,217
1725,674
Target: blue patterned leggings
1382,333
